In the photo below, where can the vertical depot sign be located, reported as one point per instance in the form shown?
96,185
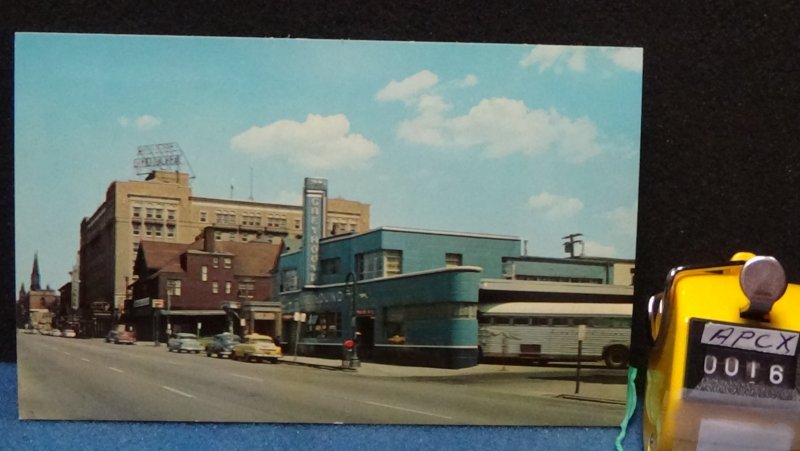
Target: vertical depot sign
315,193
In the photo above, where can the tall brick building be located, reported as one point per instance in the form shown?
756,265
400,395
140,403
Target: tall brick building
163,208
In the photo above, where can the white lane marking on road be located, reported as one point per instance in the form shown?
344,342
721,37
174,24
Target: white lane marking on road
177,391
258,379
115,369
67,353
407,410
85,359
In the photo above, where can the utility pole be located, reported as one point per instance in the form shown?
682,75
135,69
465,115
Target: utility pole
569,246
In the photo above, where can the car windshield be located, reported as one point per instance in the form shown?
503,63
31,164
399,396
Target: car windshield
261,341
230,339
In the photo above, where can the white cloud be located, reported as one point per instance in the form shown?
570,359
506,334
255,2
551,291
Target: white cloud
321,142
628,58
501,127
147,122
560,57
144,122
554,206
409,89
622,220
595,249
556,57
468,81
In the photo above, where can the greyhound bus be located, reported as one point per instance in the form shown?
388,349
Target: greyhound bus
548,331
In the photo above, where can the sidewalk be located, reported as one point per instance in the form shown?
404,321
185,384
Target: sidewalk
516,379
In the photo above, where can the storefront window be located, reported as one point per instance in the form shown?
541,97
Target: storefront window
324,325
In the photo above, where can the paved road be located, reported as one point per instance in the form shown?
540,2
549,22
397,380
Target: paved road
62,378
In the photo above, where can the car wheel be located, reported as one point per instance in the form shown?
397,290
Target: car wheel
208,353
233,356
219,355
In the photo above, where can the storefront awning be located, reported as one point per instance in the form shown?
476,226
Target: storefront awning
194,313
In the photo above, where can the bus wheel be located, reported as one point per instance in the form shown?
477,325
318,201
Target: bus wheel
616,357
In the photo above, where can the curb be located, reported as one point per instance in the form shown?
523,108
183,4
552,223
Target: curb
590,399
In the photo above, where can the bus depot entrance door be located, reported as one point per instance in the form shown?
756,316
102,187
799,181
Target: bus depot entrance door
366,343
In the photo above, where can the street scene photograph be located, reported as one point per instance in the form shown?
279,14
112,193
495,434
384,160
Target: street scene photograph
324,231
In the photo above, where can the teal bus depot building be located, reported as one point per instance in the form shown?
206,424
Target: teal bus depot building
410,296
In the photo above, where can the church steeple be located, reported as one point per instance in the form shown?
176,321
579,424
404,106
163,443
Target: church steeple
35,279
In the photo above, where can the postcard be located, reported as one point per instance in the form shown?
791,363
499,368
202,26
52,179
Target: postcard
324,231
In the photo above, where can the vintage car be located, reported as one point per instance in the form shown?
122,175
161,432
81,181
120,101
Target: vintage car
222,345
256,347
184,342
120,335
68,333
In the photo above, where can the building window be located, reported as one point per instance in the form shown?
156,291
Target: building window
170,230
228,288
289,280
296,223
246,290
150,212
204,273
218,236
451,260
330,266
215,287
137,228
135,247
137,212
158,229
174,287
324,325
215,262
159,213
171,215
149,231
203,216
226,218
227,262
383,263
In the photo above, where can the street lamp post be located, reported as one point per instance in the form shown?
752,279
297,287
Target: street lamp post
351,279
170,287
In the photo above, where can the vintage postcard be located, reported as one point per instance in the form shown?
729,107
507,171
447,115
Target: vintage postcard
320,231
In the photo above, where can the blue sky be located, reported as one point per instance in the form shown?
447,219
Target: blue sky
525,140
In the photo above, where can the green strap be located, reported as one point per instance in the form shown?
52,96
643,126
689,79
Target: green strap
630,407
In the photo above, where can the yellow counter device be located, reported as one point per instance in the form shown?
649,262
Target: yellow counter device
723,367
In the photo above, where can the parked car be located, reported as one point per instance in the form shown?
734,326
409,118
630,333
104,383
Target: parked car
55,333
120,335
184,342
256,347
222,345
68,333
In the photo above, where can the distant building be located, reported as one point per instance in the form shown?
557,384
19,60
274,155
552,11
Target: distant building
37,307
204,287
163,208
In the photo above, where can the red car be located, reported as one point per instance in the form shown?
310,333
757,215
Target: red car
121,335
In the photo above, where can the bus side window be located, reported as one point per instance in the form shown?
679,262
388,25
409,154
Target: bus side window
580,321
501,320
539,321
518,321
561,321
484,319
